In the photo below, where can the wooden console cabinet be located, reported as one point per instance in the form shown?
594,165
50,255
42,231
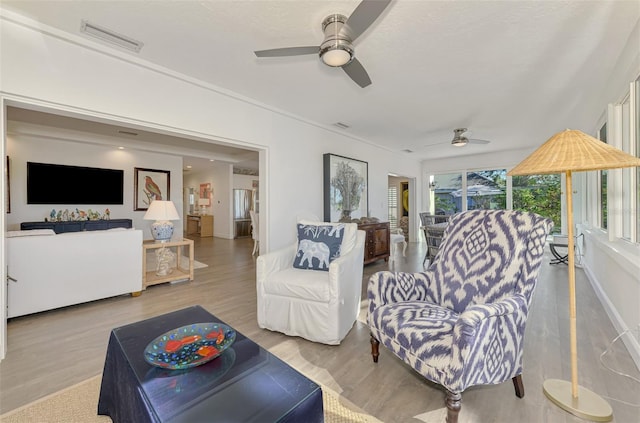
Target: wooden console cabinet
200,224
376,244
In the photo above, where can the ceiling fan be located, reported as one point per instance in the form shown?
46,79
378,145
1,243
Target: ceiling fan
459,140
339,34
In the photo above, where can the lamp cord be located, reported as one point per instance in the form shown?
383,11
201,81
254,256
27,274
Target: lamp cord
633,378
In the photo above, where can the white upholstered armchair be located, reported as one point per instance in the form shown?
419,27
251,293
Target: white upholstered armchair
319,305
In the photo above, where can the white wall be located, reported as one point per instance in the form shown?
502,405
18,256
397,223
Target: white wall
52,149
45,71
243,181
613,269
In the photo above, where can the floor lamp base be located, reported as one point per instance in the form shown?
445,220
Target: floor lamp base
588,405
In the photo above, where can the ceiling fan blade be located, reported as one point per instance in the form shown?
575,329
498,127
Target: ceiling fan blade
356,71
288,51
362,17
474,141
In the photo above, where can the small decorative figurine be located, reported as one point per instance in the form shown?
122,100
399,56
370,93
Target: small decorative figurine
65,215
93,215
107,214
59,216
52,215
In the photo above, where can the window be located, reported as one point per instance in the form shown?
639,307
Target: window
392,198
603,183
487,189
445,200
627,179
539,194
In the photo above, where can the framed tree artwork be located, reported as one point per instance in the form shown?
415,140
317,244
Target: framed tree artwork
346,188
149,185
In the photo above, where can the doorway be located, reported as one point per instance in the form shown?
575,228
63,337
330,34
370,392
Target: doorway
401,204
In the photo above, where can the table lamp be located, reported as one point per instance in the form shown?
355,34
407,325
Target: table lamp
566,152
163,212
203,203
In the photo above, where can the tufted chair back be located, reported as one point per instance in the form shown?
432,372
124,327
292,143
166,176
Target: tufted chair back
482,258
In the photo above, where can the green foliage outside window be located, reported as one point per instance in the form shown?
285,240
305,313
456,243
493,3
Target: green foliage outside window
539,194
445,203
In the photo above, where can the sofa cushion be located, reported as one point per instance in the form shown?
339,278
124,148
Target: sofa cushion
318,245
416,328
298,283
31,232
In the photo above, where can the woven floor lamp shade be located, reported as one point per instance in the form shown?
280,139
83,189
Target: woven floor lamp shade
566,152
572,150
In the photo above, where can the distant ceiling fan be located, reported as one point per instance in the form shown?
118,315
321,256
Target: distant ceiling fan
459,140
339,34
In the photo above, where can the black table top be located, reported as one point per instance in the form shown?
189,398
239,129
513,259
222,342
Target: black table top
245,383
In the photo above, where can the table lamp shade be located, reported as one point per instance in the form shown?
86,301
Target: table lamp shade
163,212
566,152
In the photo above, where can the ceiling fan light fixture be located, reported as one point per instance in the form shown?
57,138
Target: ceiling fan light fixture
336,50
336,57
459,142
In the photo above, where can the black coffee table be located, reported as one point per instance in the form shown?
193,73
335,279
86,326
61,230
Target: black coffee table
246,383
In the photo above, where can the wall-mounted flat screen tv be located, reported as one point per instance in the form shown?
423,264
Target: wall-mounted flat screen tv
60,184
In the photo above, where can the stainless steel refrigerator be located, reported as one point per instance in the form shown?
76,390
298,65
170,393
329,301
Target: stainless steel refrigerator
242,204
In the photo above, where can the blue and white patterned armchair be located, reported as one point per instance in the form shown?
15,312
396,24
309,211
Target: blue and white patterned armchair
461,322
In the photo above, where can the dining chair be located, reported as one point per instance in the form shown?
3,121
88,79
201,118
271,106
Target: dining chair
395,239
255,232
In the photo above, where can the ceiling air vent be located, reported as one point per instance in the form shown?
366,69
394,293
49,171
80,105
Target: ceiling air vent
134,134
406,150
110,36
341,125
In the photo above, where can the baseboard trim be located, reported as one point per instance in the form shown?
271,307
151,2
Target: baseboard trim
628,339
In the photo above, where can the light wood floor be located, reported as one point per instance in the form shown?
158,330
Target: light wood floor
52,350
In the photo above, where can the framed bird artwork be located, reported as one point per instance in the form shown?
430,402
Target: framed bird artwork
149,185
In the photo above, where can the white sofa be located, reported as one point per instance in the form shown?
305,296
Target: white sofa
53,271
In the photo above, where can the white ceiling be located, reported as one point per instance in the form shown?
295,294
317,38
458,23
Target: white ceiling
513,72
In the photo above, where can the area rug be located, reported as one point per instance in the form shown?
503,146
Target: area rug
152,262
79,403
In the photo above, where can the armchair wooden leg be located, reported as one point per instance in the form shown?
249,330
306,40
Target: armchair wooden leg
519,386
374,348
454,403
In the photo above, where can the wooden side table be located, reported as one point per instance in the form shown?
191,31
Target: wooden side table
177,272
560,241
